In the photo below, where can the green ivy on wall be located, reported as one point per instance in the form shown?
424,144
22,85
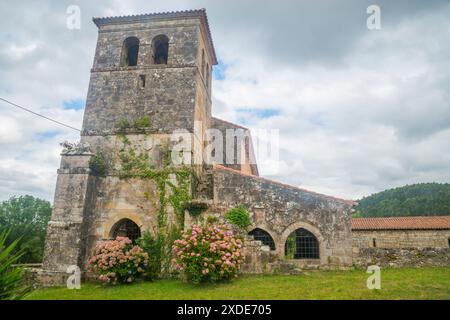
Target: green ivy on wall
173,186
291,247
125,124
97,165
195,209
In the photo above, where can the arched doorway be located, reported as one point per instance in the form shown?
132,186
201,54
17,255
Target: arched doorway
302,244
126,228
264,237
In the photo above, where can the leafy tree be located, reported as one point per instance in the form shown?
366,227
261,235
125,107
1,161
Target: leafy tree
424,199
25,217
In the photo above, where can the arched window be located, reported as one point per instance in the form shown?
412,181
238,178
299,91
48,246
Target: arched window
126,228
160,46
264,237
130,51
302,244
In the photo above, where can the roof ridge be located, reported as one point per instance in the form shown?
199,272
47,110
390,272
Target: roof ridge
161,13
232,123
219,166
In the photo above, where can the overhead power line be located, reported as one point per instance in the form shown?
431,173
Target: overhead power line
39,115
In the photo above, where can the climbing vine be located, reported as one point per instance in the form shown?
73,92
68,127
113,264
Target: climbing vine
291,247
173,186
195,209
97,165
125,124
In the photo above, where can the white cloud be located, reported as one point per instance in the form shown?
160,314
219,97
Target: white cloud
358,111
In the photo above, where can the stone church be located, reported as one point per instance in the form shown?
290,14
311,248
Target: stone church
158,67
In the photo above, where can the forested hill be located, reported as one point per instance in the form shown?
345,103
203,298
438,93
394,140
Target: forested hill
424,199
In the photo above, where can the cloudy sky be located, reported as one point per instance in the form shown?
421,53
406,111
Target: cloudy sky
358,110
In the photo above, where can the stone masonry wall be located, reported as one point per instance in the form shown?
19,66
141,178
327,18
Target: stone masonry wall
405,257
280,210
167,99
116,199
66,232
401,248
401,238
169,94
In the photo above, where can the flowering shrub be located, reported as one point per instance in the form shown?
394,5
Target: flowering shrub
118,261
208,253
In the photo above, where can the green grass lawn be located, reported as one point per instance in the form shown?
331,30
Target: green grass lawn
408,283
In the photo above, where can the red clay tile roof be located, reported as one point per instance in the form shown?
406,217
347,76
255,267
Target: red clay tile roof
401,223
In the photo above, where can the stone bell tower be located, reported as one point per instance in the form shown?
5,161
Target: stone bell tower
151,76
155,65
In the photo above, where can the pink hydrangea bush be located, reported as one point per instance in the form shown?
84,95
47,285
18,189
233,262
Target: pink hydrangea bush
118,261
208,253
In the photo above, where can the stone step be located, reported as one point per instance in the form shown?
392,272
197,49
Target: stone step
289,268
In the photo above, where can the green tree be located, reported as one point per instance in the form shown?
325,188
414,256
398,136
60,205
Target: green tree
25,217
424,199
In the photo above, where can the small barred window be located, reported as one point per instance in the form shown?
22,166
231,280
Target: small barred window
264,237
302,244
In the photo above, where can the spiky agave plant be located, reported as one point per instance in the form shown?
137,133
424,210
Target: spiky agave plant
12,286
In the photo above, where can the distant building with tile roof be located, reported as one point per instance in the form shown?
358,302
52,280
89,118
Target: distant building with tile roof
401,232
